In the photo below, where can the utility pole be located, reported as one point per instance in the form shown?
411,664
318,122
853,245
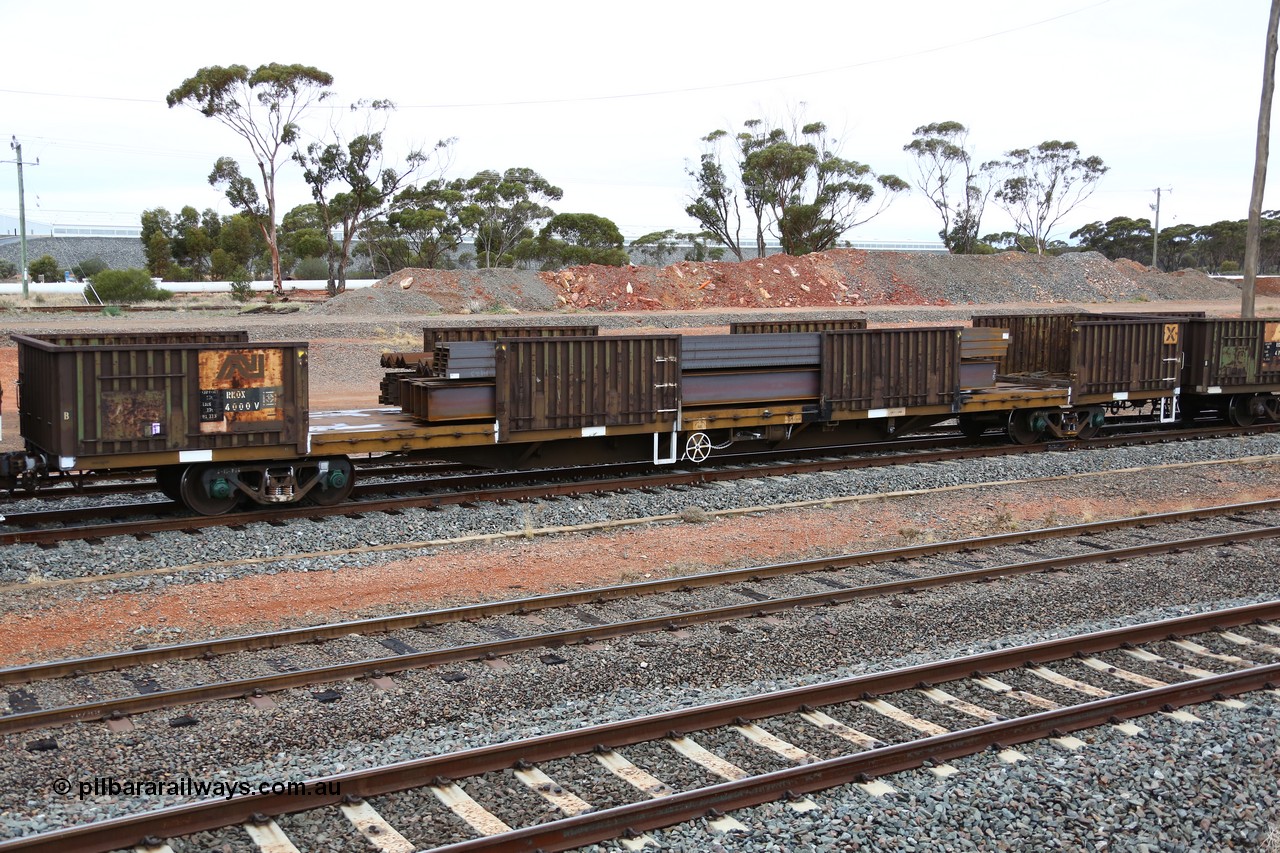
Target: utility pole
1155,235
22,215
1253,232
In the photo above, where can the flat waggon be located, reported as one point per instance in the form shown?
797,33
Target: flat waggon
222,420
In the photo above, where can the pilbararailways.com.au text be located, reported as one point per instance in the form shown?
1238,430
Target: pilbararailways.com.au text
187,786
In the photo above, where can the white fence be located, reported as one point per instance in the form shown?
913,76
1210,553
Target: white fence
15,287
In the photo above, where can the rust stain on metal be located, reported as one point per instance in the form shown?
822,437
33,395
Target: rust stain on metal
239,386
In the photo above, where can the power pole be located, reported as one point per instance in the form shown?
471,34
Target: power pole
1253,232
22,215
1155,236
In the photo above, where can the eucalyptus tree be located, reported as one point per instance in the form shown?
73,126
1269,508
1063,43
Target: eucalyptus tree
794,183
577,239
264,107
426,220
504,209
351,181
1039,186
948,176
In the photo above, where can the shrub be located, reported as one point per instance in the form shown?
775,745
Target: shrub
8,269
312,269
45,266
133,285
241,284
89,268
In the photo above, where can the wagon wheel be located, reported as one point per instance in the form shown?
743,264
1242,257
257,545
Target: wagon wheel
1092,424
697,447
335,484
169,482
201,490
1026,426
1240,411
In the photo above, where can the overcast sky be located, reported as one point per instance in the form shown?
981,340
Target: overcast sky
609,101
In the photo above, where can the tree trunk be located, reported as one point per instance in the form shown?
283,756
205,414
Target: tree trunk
269,188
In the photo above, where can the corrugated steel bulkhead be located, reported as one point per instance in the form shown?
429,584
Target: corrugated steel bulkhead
126,397
1231,354
587,382
1110,356
890,368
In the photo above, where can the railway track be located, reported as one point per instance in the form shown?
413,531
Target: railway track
396,475
716,758
494,630
49,527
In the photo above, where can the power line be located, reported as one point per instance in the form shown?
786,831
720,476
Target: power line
709,87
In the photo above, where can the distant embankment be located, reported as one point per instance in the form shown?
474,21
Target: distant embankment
118,253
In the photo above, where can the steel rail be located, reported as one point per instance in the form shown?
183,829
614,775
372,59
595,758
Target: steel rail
377,667
570,833
174,821
472,482
126,482
596,595
523,493
382,466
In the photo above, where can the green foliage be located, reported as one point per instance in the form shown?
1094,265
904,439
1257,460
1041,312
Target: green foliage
424,228
1218,247
349,182
715,206
8,269
129,285
242,240
192,243
1120,237
311,269
1039,186
576,239
1009,241
89,268
655,247
951,181
795,184
45,267
302,235
112,310
186,240
264,107
502,210
241,284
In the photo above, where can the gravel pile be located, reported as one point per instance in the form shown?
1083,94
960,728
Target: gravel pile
837,278
117,253
424,291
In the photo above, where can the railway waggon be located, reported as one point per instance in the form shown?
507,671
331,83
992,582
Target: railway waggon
222,420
